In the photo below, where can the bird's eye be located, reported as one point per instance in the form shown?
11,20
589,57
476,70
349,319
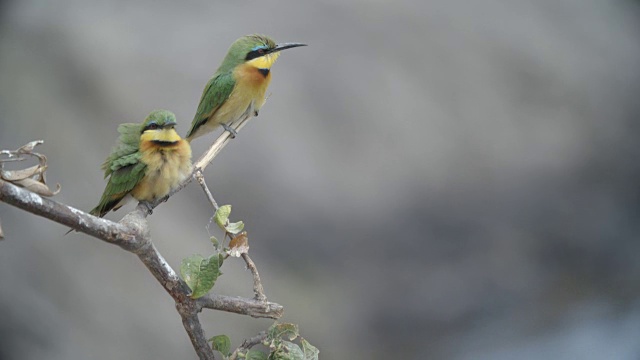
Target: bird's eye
260,51
152,126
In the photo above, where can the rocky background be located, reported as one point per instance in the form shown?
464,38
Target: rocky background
429,179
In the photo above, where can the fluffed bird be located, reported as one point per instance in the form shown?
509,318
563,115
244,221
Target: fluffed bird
237,89
148,161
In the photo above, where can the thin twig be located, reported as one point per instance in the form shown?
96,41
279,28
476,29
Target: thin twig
248,344
257,284
206,158
200,179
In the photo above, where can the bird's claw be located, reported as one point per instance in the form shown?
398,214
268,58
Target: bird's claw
231,130
148,206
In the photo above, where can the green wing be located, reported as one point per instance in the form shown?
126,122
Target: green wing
126,150
121,182
214,95
124,168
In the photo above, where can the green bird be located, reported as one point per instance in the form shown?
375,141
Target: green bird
237,89
148,161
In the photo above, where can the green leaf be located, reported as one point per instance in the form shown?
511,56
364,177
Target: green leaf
310,352
255,355
276,331
295,353
235,227
221,343
215,242
221,217
200,274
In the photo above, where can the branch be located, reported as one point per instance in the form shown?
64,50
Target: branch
102,229
132,234
248,344
200,177
192,325
258,290
206,158
252,307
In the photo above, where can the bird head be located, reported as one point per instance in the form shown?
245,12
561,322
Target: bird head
259,51
159,128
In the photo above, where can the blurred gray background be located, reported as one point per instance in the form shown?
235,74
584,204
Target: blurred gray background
429,179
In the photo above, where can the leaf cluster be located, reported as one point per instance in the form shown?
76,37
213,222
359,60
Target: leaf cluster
279,342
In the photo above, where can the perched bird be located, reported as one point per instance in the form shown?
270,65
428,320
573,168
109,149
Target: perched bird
237,89
149,160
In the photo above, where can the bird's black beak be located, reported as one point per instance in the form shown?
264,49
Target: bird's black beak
285,46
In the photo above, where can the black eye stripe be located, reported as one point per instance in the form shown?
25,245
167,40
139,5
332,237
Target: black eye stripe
255,54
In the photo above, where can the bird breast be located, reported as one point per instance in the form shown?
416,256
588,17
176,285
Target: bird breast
167,166
248,94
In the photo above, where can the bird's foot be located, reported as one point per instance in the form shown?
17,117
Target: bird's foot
148,206
231,130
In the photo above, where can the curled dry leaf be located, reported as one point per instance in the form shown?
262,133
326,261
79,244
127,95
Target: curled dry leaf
239,245
17,175
37,187
31,178
28,147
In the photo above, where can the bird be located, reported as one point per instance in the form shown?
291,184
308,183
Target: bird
237,89
148,161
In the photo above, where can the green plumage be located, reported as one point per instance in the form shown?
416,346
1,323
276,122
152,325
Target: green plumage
221,85
124,168
214,95
123,165
126,150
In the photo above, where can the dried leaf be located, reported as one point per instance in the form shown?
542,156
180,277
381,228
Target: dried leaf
15,175
32,178
28,147
239,245
37,187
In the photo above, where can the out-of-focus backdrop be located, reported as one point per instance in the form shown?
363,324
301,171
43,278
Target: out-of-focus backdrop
429,179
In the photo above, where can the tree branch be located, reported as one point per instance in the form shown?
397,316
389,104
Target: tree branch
193,327
252,307
206,158
132,234
102,229
258,290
